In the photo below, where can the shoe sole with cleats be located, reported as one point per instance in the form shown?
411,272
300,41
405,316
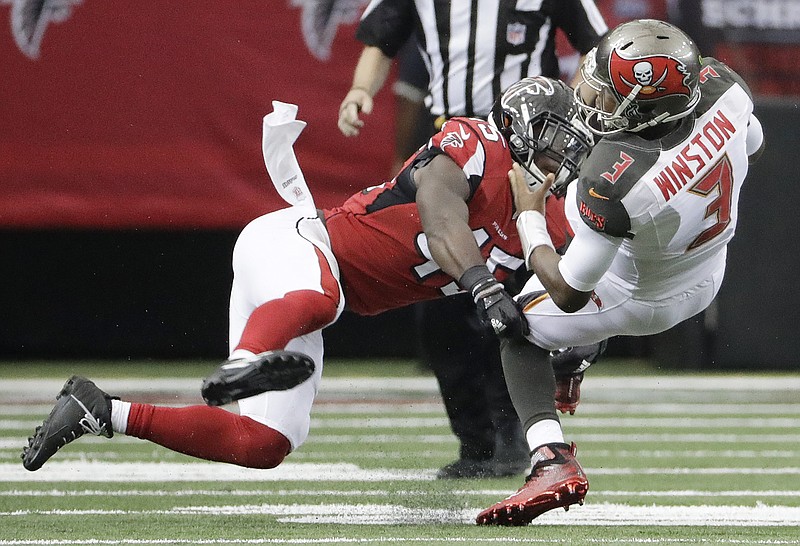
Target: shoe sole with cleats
521,511
270,371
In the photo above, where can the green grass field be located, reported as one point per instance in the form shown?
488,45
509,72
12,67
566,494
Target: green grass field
671,459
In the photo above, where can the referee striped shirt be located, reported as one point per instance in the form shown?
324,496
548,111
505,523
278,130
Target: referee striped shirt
474,49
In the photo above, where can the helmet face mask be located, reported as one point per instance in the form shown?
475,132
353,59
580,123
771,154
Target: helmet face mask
538,118
642,74
599,107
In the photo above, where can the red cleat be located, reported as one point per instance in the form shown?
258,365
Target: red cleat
557,480
568,367
568,392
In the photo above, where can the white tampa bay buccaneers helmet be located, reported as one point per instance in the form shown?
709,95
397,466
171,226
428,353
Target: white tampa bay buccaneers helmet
641,74
538,118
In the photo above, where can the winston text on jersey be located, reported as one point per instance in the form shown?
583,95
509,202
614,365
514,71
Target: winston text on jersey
701,147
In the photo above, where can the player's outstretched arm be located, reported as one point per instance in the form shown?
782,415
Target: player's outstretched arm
540,256
442,193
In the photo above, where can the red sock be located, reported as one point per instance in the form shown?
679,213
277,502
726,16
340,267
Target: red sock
272,325
209,433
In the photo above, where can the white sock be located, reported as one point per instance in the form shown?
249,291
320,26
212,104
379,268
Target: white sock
241,353
119,416
544,432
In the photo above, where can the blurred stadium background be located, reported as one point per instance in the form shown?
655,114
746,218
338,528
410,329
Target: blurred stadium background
130,158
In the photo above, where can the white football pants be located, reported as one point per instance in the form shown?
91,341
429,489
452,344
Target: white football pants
276,254
614,313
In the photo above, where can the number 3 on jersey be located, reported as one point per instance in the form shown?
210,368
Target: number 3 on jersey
718,180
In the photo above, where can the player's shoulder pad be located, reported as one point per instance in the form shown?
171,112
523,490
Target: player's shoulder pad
615,165
462,129
461,137
715,78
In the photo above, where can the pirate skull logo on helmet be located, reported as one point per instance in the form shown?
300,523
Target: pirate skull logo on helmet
649,70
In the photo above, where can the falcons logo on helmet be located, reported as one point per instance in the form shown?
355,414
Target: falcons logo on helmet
658,76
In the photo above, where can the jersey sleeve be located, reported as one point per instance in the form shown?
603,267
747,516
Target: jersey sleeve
587,258
582,23
460,139
615,166
601,209
755,136
387,25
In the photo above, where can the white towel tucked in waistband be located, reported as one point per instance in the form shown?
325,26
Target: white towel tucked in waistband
280,131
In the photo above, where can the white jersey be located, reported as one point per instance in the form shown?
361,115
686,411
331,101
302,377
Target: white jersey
669,205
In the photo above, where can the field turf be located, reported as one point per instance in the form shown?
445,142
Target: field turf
671,459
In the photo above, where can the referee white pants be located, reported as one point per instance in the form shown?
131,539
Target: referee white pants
276,254
614,312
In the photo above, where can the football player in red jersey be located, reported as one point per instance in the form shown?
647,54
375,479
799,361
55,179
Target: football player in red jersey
442,225
654,207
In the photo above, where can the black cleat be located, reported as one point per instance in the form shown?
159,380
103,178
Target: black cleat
242,378
81,408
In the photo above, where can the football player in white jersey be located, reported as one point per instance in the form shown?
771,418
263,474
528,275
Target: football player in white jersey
653,209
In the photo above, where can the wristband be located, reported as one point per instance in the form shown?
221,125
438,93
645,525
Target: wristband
479,282
532,229
485,289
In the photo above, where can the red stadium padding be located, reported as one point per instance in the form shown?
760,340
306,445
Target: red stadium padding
144,114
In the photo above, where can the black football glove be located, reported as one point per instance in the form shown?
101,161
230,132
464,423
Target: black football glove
496,308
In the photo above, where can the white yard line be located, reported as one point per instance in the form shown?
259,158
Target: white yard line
31,390
634,437
380,493
325,408
592,423
104,471
393,514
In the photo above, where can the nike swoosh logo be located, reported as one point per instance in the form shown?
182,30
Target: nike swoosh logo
464,135
597,195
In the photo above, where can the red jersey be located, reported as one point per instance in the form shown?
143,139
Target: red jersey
377,236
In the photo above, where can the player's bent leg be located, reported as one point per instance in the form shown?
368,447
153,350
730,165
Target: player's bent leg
268,330
81,408
213,434
556,481
273,324
243,378
289,411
